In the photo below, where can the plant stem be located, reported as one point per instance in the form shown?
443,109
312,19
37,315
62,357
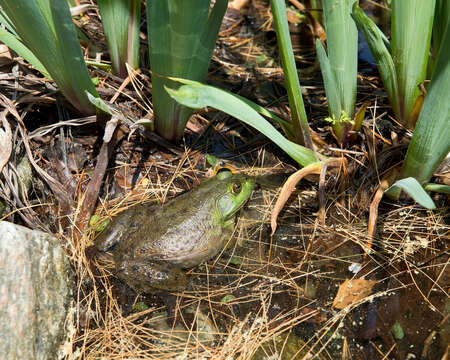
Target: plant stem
298,113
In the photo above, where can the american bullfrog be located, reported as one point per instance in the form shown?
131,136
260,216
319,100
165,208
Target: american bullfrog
151,245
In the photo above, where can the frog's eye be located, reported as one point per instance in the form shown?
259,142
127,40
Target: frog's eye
237,188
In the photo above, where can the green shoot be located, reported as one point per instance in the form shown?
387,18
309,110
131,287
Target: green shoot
298,114
121,19
44,34
430,143
403,67
182,35
339,69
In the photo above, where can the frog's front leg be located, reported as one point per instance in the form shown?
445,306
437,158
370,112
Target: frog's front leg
144,276
229,240
120,228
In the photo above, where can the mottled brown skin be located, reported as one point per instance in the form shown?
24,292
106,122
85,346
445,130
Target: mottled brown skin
151,245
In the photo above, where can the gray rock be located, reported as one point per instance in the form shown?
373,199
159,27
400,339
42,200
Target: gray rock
35,293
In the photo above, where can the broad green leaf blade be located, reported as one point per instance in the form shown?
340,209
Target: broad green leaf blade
197,96
375,39
31,24
134,23
331,88
205,47
342,45
412,187
286,126
45,27
71,68
4,20
99,103
430,142
15,44
175,33
120,20
441,19
298,113
412,22
181,34
439,188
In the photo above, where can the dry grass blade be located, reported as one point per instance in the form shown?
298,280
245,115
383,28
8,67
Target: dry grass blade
44,130
59,190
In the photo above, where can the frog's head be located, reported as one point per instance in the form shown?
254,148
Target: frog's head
233,192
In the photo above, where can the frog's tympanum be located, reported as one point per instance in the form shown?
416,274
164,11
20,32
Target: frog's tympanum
151,245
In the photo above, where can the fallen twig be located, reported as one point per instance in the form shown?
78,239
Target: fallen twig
109,141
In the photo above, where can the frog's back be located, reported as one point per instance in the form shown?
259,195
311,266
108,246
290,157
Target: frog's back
182,231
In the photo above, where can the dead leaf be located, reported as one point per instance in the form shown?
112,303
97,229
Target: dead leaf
373,213
293,17
110,128
238,4
292,181
5,55
288,188
58,189
5,142
351,291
